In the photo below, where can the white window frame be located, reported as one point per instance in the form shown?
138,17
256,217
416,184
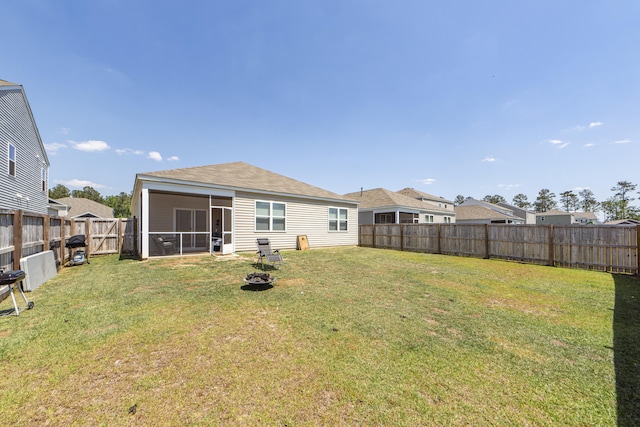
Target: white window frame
43,175
270,217
11,161
337,220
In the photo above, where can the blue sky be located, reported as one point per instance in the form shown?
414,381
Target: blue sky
458,97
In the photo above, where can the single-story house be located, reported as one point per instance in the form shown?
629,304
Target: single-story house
528,216
79,207
224,208
555,216
586,218
382,206
478,214
474,211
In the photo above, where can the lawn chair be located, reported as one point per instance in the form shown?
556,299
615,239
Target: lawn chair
265,253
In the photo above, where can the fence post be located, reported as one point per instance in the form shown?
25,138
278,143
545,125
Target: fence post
486,241
87,231
438,247
17,238
401,237
120,235
551,254
46,233
373,236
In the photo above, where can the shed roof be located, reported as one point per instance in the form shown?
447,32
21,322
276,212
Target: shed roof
242,176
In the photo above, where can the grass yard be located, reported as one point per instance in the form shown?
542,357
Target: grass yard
347,336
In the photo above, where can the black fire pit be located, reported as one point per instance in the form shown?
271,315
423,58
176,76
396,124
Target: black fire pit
258,282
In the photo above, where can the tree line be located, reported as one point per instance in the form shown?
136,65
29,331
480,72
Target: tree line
617,206
121,204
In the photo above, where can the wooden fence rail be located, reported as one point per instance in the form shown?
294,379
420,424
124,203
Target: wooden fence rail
25,233
594,247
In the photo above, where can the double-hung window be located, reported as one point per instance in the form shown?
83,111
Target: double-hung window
271,216
338,219
12,160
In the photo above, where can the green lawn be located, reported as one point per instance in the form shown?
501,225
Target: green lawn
347,336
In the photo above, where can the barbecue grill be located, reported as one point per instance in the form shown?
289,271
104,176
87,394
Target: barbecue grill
7,281
78,257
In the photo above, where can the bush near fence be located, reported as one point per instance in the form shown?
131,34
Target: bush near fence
25,233
595,247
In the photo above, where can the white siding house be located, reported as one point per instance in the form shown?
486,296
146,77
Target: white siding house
24,165
225,208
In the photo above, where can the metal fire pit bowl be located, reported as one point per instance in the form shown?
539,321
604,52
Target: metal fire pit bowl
258,281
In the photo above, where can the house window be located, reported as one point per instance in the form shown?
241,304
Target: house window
428,218
12,159
447,220
44,179
385,218
338,219
271,216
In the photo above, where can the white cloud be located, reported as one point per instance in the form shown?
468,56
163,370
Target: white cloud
90,146
427,181
65,131
154,155
79,183
489,159
54,147
591,144
173,159
558,143
622,141
595,124
122,151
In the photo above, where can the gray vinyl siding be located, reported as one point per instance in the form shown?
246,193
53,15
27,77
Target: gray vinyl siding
304,217
18,128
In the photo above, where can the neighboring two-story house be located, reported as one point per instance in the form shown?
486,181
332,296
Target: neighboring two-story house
24,165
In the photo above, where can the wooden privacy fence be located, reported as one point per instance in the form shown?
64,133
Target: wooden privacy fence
594,247
25,233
